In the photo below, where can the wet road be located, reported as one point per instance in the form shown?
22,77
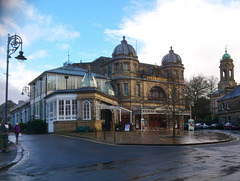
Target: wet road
52,157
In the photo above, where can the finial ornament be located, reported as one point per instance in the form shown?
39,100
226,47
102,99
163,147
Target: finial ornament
226,48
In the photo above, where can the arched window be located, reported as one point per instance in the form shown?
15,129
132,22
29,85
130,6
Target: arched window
157,94
86,110
224,74
230,73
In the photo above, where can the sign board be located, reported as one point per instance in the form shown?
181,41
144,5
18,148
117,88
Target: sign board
127,127
191,124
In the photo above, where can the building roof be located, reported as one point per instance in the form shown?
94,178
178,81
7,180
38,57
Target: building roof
171,57
69,70
89,80
124,49
234,93
72,70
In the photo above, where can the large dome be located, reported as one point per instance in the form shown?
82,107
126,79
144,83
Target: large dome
124,49
171,57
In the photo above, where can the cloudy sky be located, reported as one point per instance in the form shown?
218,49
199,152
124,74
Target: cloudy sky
197,30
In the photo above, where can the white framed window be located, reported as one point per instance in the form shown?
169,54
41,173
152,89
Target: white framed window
74,109
67,109
86,110
61,109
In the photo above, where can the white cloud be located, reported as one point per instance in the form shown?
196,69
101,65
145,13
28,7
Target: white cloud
198,31
37,55
34,26
18,78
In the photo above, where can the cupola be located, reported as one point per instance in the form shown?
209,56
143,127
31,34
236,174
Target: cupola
124,49
171,58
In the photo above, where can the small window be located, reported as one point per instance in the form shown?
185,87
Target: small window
138,90
222,106
125,66
125,89
228,105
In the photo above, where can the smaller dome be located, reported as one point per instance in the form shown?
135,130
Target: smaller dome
124,49
171,57
226,56
107,89
89,80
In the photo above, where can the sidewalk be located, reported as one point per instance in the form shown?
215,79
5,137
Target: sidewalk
13,155
160,138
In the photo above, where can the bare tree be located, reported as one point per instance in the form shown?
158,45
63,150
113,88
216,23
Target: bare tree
199,86
212,83
174,98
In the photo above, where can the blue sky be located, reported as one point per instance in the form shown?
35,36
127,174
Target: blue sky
198,30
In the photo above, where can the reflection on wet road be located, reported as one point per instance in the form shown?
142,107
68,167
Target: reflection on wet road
77,159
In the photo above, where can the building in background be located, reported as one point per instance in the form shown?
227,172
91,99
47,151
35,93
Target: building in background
229,107
226,86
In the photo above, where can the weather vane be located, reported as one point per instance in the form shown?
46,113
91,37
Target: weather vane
226,48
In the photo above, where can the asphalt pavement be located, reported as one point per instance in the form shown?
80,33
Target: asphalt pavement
147,138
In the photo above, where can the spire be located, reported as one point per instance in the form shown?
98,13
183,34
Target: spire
226,48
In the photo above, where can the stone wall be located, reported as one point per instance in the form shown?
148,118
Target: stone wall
64,125
72,125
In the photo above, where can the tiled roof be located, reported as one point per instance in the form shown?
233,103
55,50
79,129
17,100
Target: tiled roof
234,93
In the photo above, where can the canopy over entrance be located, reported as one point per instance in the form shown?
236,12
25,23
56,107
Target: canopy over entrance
114,109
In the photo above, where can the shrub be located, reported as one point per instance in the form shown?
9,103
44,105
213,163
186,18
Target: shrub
36,127
23,126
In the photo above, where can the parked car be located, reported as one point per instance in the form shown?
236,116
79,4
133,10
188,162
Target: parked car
214,126
201,126
230,126
204,126
198,126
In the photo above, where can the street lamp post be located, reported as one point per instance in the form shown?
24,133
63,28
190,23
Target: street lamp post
13,44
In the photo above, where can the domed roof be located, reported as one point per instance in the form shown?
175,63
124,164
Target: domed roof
226,56
171,57
124,49
89,80
107,89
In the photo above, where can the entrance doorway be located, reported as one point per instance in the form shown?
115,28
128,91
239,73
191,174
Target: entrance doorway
156,120
50,126
106,117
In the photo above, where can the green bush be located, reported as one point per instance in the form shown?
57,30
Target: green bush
23,126
36,127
